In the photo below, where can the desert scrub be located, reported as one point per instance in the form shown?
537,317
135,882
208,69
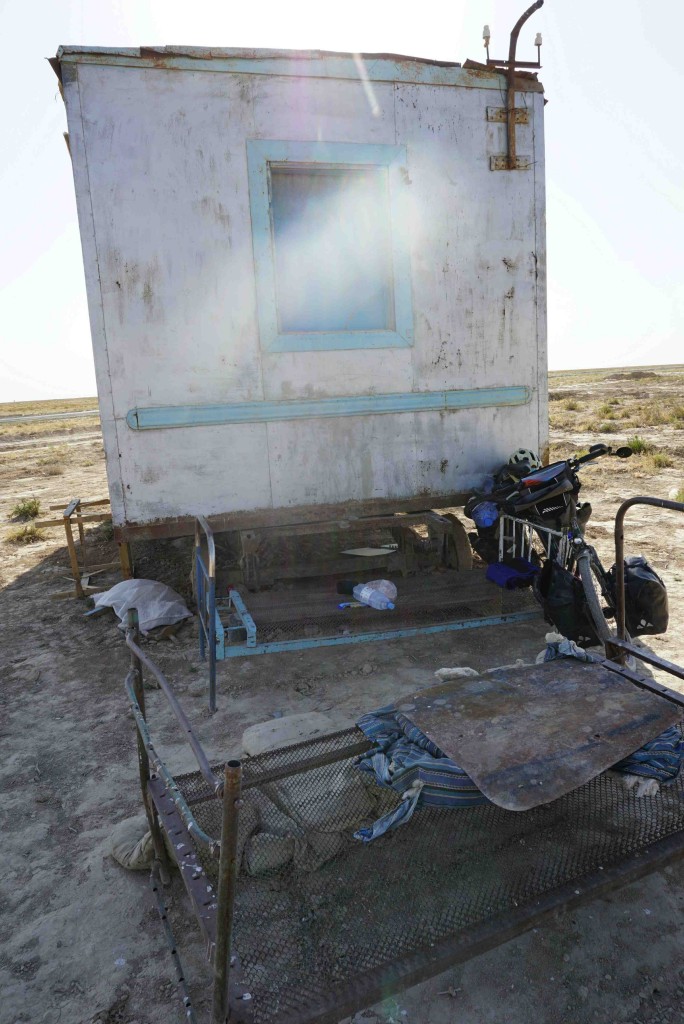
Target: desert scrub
677,415
571,405
27,508
105,531
639,445
29,534
606,428
652,416
662,461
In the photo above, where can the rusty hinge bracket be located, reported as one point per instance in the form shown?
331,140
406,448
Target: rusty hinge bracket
520,115
500,163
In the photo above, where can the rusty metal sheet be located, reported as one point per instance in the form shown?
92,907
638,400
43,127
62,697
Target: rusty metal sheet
530,734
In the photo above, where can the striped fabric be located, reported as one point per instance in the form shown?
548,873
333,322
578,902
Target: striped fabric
660,759
409,763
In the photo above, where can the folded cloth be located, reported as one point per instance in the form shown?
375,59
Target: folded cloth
519,573
406,761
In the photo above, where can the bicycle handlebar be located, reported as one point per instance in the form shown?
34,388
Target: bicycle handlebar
598,450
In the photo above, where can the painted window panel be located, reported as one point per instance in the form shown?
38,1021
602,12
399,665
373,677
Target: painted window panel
331,235
330,245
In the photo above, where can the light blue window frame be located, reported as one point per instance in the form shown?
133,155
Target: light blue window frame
261,154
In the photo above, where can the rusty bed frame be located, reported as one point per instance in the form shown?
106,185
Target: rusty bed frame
302,946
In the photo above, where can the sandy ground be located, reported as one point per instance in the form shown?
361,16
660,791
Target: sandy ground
80,941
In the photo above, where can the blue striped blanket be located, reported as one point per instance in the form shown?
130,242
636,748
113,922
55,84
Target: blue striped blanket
405,760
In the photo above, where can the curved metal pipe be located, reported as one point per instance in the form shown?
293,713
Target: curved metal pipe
674,506
510,81
200,756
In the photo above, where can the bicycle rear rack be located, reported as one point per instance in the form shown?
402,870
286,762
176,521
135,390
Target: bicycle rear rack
519,536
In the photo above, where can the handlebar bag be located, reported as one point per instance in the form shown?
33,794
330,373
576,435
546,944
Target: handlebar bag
562,599
646,609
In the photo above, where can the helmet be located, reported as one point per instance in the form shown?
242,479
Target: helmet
523,455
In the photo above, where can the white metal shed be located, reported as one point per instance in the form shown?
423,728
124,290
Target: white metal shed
311,291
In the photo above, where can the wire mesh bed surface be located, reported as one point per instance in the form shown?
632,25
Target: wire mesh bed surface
324,924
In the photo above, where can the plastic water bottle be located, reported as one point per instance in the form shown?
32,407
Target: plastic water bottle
378,594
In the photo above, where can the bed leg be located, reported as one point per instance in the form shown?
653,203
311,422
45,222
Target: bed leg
228,868
161,856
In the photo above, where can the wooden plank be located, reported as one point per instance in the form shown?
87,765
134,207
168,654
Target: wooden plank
93,517
257,519
73,558
84,504
126,560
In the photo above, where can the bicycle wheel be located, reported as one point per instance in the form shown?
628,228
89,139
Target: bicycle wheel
593,584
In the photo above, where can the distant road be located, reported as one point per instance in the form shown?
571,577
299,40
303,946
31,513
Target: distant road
48,416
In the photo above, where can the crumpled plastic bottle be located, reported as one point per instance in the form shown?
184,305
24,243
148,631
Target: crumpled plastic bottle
379,594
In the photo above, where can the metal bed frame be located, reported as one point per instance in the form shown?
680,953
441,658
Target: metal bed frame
228,630
297,947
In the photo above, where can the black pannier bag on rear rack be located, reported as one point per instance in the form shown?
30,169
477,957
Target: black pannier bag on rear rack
646,608
562,598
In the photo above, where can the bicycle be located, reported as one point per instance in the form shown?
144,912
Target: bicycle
541,520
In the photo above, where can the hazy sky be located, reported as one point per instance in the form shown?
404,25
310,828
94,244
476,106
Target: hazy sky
614,158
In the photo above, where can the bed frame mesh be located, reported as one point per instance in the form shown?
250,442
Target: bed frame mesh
337,910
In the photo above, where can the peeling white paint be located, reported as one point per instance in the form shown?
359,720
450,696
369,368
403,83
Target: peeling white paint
160,172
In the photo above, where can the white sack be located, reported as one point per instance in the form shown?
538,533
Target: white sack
157,604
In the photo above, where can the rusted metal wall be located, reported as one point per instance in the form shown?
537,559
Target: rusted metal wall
161,175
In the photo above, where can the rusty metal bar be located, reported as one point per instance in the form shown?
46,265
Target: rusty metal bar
200,756
510,83
331,757
167,778
180,974
657,662
136,681
674,506
286,771
197,883
227,878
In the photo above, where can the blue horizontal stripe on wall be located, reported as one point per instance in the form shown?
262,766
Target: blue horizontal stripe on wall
304,409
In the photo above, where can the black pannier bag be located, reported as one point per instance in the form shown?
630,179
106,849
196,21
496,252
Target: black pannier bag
646,608
562,598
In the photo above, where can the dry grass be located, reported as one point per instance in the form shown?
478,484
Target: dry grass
661,461
51,405
29,534
40,428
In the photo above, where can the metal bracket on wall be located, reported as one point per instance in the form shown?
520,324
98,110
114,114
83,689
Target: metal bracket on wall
500,163
521,115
